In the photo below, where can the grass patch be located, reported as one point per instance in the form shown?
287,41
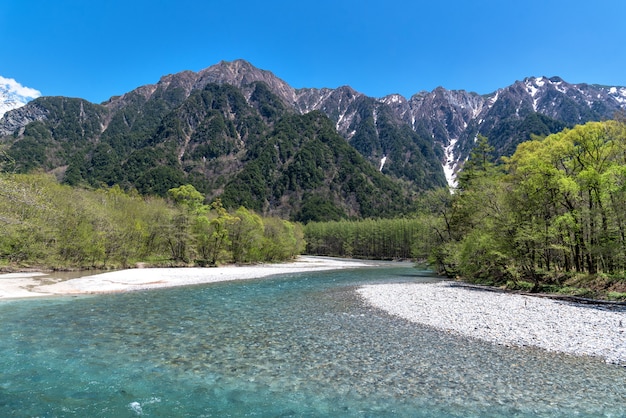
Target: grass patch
519,285
599,286
575,291
616,296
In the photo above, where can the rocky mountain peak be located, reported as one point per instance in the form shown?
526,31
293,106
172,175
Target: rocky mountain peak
238,73
241,73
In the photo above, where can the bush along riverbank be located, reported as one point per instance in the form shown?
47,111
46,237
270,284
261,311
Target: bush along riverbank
46,225
582,288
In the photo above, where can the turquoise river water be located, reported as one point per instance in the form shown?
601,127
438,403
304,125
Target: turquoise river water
299,345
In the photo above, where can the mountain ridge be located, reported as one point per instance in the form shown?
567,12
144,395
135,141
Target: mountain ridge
422,140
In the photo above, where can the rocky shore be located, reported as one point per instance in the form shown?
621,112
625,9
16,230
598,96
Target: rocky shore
507,319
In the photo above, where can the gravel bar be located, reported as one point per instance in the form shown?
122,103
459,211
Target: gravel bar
507,319
25,285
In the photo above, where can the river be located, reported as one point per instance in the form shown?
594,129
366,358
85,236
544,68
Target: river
294,345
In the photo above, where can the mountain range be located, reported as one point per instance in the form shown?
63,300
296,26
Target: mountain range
242,133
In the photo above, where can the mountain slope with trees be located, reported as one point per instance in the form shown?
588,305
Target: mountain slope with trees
204,128
217,139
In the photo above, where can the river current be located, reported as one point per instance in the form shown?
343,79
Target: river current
297,345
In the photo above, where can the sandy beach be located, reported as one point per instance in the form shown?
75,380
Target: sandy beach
28,285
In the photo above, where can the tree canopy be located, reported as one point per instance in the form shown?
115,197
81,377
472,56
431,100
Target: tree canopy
555,208
49,225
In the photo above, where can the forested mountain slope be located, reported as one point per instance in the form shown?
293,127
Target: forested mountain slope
242,143
209,128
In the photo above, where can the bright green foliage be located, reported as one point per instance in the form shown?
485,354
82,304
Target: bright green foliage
281,240
46,224
189,225
380,239
246,236
53,225
217,234
25,219
574,181
188,197
556,209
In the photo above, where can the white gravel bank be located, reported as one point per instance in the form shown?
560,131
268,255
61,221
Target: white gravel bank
507,319
22,285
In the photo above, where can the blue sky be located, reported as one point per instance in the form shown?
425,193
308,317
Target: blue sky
99,48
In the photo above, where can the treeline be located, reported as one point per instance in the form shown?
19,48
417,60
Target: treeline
45,224
380,239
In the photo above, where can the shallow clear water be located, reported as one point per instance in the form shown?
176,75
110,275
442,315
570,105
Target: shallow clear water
299,345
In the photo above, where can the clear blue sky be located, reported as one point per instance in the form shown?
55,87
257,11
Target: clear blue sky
95,49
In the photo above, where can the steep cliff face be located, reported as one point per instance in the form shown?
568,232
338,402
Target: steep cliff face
16,119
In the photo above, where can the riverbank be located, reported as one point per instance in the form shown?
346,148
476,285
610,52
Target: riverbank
506,319
37,284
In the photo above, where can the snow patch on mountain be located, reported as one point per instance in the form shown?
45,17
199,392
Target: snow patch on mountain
13,95
494,98
382,162
393,99
560,87
451,164
533,89
344,122
618,93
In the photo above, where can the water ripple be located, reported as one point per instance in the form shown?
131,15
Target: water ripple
295,345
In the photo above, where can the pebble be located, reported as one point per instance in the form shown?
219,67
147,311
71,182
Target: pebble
506,319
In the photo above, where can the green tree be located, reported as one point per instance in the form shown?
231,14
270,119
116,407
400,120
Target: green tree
246,236
479,163
188,197
554,208
212,234
283,240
